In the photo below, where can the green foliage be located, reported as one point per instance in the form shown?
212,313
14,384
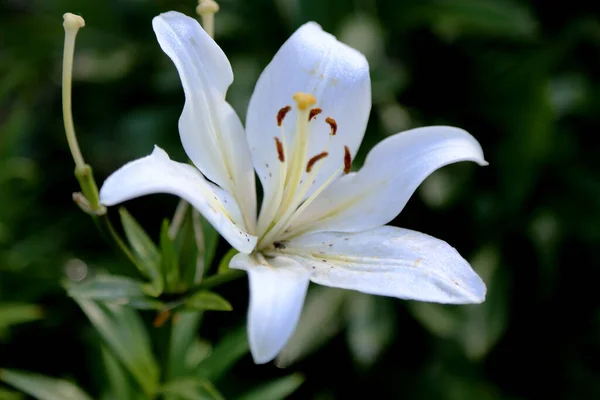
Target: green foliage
147,254
42,387
276,390
124,333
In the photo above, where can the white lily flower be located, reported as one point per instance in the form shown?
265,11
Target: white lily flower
318,221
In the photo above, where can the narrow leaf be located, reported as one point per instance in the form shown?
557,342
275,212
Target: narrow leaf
190,246
211,239
321,319
185,329
224,263
118,380
42,387
279,389
107,287
170,263
192,389
144,249
18,313
10,395
124,333
226,353
205,300
371,326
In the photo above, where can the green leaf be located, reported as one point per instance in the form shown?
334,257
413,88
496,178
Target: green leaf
205,300
42,387
10,395
199,351
224,263
170,263
189,243
476,328
185,329
277,390
144,303
226,353
144,249
118,379
211,239
321,319
371,326
18,313
454,18
192,389
107,287
123,331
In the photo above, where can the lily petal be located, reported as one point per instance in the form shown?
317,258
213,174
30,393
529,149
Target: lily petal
211,132
389,261
157,173
277,293
393,170
310,61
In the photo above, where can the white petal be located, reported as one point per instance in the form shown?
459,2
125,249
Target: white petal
393,170
311,61
389,261
211,132
277,293
156,173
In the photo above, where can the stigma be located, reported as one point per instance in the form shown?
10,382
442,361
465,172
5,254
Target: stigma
304,101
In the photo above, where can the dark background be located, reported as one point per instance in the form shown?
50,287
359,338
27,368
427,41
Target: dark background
521,76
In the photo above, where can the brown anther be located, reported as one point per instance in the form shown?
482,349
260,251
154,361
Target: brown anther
347,160
161,318
314,112
332,124
311,163
280,152
282,113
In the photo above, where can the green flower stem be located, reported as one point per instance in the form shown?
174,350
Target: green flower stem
83,172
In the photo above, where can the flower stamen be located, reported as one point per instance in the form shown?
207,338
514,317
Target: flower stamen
282,113
333,124
347,160
280,152
314,112
314,160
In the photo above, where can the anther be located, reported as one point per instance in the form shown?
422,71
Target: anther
314,112
304,101
347,160
280,152
314,160
282,113
332,124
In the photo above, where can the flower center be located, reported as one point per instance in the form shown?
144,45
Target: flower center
297,169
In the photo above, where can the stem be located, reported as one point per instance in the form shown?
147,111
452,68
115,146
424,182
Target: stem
71,23
83,172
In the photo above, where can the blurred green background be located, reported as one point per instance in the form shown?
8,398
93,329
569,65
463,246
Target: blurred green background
522,76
